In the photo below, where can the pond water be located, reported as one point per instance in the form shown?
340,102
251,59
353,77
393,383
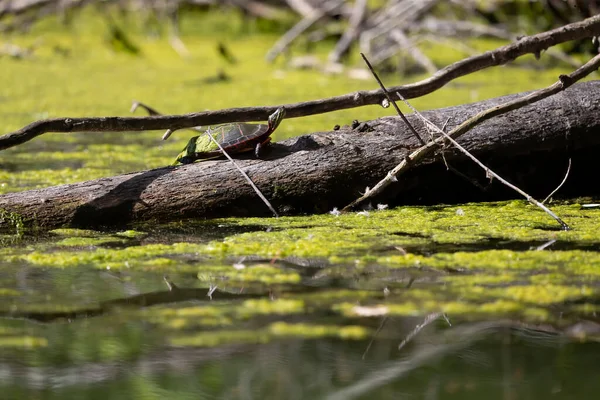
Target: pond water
458,301
427,302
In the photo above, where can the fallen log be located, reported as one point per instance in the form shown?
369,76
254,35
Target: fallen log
315,173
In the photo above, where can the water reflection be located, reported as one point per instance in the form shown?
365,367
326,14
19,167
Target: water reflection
128,316
489,359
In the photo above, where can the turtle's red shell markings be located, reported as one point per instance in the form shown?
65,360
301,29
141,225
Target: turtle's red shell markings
233,138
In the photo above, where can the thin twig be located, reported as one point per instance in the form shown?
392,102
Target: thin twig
427,321
359,11
138,104
389,98
153,111
502,55
451,340
383,321
487,170
559,186
545,245
564,82
300,27
256,189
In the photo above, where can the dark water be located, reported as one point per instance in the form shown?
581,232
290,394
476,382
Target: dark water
102,340
503,363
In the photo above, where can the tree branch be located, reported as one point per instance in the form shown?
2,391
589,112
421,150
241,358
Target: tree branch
532,44
564,82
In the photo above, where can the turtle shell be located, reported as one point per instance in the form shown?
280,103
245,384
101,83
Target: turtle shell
236,138
233,138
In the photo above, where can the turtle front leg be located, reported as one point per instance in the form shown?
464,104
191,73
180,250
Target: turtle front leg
257,150
259,147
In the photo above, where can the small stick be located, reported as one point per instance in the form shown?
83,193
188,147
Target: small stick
387,95
167,134
502,55
153,111
138,104
300,27
427,321
488,171
564,82
383,321
256,189
546,245
169,283
562,183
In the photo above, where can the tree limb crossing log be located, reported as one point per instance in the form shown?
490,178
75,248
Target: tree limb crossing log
315,173
532,44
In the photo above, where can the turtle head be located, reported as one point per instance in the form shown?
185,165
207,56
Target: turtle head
187,154
275,118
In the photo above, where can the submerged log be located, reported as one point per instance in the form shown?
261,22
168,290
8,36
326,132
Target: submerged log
315,173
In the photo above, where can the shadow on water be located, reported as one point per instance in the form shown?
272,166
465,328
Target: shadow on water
202,230
490,244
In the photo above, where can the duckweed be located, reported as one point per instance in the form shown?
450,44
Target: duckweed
470,261
274,331
28,342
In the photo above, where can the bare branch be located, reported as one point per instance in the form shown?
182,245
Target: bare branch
532,44
487,170
241,171
389,98
356,18
300,27
560,185
432,127
563,82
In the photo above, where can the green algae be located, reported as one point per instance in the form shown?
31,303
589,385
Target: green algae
502,260
22,342
405,240
473,261
13,222
277,330
543,295
264,273
283,329
71,232
132,234
85,242
409,228
271,307
103,258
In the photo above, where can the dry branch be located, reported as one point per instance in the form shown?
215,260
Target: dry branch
356,18
564,82
532,44
314,16
318,172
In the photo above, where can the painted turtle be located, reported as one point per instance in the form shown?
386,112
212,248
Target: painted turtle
233,138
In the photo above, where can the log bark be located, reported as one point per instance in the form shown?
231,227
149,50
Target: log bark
315,173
